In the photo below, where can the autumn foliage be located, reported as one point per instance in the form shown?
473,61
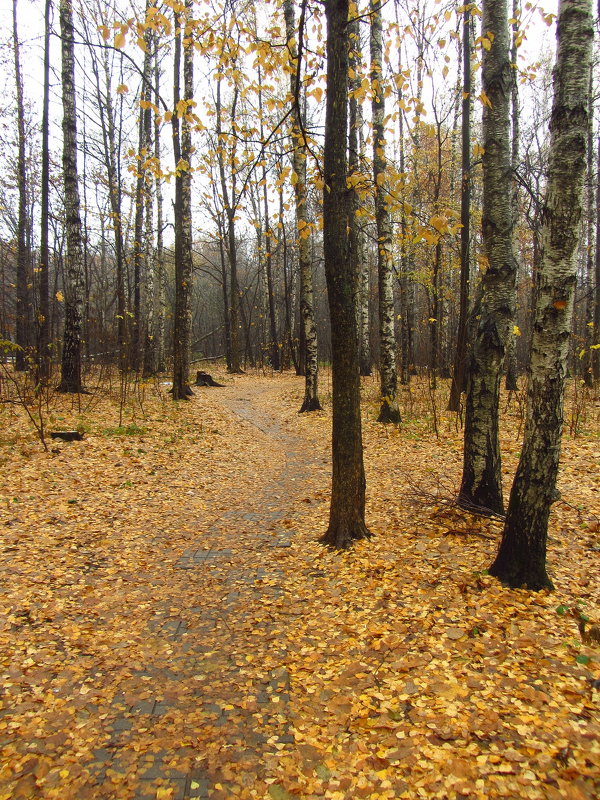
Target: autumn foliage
171,627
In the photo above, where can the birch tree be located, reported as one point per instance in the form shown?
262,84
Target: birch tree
521,559
389,411
356,155
494,310
307,316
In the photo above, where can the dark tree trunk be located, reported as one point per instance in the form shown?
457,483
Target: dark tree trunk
71,355
22,309
230,205
226,315
588,375
150,280
182,149
596,352
521,559
460,358
161,273
347,510
511,384
44,361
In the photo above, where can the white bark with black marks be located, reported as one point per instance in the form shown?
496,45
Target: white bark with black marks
307,316
389,411
494,310
521,559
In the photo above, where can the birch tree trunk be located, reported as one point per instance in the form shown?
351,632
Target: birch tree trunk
511,355
71,355
347,510
482,479
521,559
389,411
307,316
357,233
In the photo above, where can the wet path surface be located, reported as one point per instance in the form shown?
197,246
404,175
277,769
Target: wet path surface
206,655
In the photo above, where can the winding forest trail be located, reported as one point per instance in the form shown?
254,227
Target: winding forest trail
171,629
184,692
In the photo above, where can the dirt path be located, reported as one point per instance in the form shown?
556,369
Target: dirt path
183,693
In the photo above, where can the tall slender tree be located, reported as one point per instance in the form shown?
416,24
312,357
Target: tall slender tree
521,559
230,200
494,310
182,150
140,250
458,375
511,355
356,148
102,69
22,315
596,314
588,375
389,411
150,281
161,276
44,361
71,380
347,510
299,156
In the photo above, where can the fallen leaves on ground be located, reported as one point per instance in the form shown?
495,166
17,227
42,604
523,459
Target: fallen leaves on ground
170,626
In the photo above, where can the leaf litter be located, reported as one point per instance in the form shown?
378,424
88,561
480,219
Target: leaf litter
171,628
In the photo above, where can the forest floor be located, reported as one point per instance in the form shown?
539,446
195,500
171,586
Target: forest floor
170,626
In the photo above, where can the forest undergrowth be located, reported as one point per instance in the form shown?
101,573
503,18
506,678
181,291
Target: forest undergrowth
171,559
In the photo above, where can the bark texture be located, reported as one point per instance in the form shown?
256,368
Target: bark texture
22,309
458,376
307,316
482,480
356,146
389,411
521,559
347,510
596,316
182,323
44,360
230,204
71,355
511,383
161,273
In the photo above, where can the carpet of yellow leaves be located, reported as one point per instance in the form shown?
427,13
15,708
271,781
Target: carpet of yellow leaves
170,627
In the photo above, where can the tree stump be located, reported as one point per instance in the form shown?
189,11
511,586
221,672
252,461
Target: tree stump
204,379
